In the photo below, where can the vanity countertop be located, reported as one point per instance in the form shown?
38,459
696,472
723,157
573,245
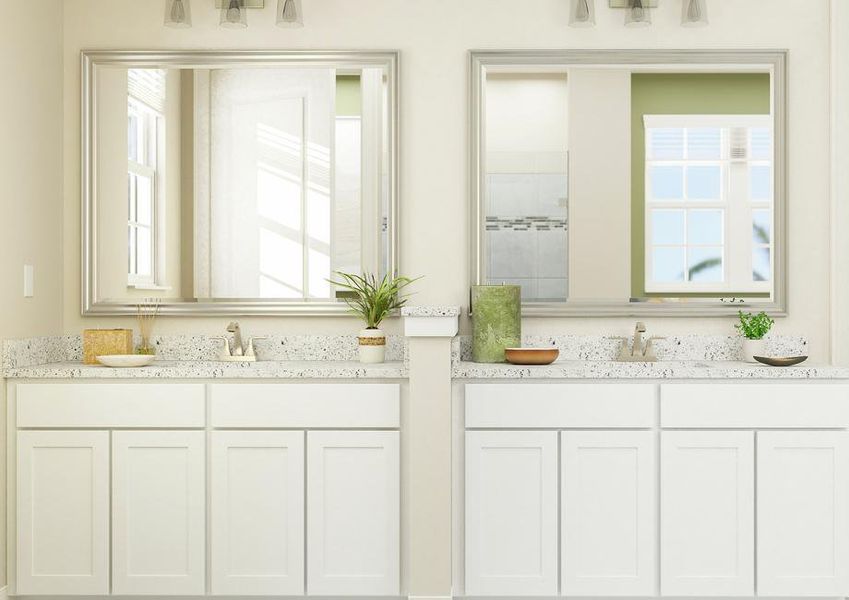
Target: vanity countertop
314,369
601,369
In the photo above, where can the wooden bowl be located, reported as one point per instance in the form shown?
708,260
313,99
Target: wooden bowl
531,356
787,361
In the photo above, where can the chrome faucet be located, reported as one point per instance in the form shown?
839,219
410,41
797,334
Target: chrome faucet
234,328
240,352
638,351
639,330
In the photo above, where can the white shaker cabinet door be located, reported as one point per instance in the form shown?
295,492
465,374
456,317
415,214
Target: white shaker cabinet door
608,513
802,513
353,513
707,513
158,516
511,513
63,513
257,513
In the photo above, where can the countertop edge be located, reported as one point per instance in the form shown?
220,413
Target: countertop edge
595,370
295,370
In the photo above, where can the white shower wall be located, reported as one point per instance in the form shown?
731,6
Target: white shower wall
527,183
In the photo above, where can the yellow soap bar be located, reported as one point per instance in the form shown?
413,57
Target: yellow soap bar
103,342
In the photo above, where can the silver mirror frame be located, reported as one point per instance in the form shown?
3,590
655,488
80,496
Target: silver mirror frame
91,59
775,60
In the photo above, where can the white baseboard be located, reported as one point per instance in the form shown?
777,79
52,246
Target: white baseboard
429,597
4,592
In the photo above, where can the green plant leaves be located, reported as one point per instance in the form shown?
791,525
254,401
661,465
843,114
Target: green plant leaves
371,299
754,327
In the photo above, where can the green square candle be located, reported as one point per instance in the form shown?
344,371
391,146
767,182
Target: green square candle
496,321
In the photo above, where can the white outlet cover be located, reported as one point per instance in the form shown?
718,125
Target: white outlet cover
29,276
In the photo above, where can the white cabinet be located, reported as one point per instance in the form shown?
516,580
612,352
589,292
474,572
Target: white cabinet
707,513
159,523
63,512
257,512
511,513
111,490
353,513
802,513
608,513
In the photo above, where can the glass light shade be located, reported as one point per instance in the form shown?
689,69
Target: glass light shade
178,13
289,13
638,14
582,13
234,14
694,13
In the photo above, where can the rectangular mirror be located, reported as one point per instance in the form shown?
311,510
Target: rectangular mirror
630,182
237,182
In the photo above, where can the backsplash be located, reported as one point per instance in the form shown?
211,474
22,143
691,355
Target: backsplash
29,352
689,347
43,350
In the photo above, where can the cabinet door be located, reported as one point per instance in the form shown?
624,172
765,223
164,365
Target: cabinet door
158,500
511,513
257,512
609,513
353,513
802,505
707,513
63,512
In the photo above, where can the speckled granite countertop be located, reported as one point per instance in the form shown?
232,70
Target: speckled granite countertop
315,369
604,369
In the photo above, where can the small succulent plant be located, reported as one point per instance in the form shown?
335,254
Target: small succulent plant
754,327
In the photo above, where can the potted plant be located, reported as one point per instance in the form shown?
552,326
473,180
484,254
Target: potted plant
373,300
753,328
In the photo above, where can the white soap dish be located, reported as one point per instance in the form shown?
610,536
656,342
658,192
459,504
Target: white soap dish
126,361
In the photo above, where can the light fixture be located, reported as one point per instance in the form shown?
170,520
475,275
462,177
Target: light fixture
289,13
638,14
694,13
178,13
234,14
582,13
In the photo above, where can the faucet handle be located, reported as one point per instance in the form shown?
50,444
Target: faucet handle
251,351
225,347
649,351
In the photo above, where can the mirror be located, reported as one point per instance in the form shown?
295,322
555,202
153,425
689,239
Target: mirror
237,182
630,182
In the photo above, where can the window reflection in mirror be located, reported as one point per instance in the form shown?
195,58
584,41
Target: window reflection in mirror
241,182
622,183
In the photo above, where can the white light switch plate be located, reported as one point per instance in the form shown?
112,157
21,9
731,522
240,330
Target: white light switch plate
29,275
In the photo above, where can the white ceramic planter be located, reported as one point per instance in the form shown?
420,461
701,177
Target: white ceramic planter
752,348
372,346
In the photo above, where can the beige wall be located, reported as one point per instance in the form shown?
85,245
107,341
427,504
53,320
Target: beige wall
111,116
840,181
434,38
30,168
31,176
599,190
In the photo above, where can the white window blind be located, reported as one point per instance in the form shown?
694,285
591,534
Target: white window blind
148,86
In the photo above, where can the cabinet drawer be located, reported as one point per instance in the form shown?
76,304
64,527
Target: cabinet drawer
769,405
110,405
294,406
530,406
